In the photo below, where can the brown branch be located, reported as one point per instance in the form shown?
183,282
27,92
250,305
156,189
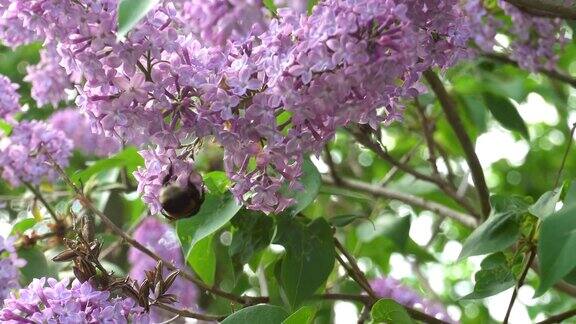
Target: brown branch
531,255
189,314
555,8
559,318
449,108
394,170
428,130
331,164
565,157
363,137
39,196
354,270
415,201
357,275
553,74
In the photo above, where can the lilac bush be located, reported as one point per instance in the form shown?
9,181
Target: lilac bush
65,303
268,84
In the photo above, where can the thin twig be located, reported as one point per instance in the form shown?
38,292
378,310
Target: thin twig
428,130
331,164
394,170
449,108
362,135
531,255
39,196
565,157
354,271
553,74
559,318
357,275
415,201
547,8
118,243
189,314
355,298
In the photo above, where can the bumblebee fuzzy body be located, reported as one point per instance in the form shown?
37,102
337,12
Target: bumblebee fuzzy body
180,202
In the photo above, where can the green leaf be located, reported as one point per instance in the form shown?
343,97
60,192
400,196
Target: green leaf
309,257
311,4
271,6
546,204
311,180
571,277
253,233
344,220
128,158
304,315
506,114
216,211
36,265
23,225
5,127
130,12
499,231
503,203
494,277
259,314
217,182
420,253
556,247
397,229
389,311
202,258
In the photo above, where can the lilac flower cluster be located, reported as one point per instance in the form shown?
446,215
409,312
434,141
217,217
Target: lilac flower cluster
193,69
161,238
24,155
9,98
386,287
57,303
76,127
534,40
49,80
9,265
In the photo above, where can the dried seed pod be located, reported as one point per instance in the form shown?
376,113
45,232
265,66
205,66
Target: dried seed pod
65,256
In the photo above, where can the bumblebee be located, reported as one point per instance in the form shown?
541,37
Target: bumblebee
181,202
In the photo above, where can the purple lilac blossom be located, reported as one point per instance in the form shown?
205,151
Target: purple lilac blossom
9,267
61,303
24,154
350,61
220,21
535,38
386,287
161,239
76,126
49,80
9,97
